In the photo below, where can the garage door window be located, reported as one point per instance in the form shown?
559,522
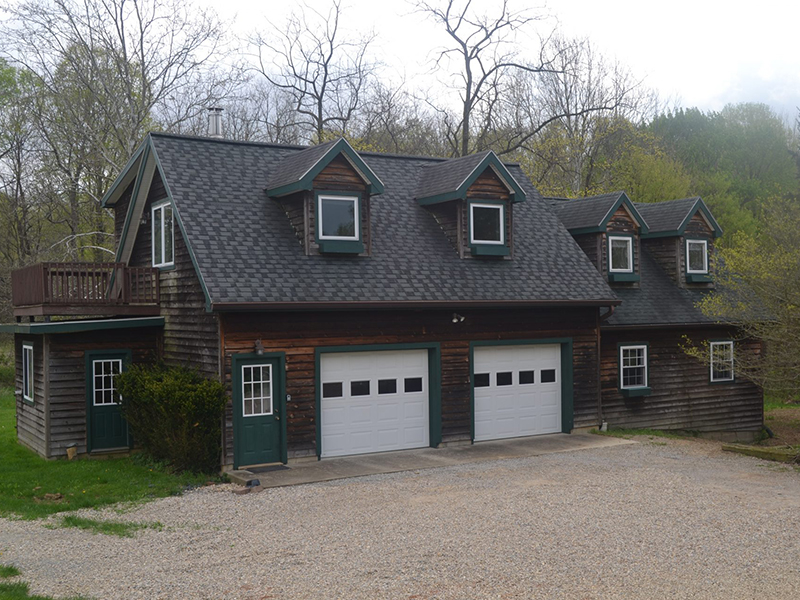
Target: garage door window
527,377
633,366
359,388
387,386
334,389
505,378
413,384
548,375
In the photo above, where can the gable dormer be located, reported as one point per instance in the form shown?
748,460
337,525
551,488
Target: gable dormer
608,228
681,239
472,199
325,192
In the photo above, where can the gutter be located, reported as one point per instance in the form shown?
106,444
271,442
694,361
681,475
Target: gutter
412,305
663,326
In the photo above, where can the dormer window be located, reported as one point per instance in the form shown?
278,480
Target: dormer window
338,218
697,256
486,224
163,236
620,254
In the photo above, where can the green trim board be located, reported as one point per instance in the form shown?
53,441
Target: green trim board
117,186
434,383
489,161
237,361
328,246
567,377
700,206
89,356
699,278
623,200
306,181
615,277
644,390
79,326
134,195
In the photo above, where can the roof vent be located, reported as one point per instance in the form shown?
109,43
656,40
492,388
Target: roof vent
215,122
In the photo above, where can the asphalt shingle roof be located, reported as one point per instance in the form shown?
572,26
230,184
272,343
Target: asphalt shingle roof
247,250
442,177
297,164
584,212
667,215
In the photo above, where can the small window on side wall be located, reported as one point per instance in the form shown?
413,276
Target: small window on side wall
620,254
487,224
338,218
27,372
633,375
697,257
163,236
721,362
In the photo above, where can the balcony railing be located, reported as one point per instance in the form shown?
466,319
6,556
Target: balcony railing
85,289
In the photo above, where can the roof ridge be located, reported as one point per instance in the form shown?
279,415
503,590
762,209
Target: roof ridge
662,202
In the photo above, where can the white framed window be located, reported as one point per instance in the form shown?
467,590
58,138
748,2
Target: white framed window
721,366
620,254
27,372
338,218
633,366
257,390
105,372
486,223
163,236
697,256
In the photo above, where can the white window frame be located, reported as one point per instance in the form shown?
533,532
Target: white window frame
498,207
262,381
161,261
622,367
703,271
28,373
113,388
356,215
711,362
629,241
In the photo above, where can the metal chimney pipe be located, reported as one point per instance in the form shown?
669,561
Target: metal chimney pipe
215,122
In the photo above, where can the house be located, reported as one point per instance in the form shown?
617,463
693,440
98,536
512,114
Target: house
362,302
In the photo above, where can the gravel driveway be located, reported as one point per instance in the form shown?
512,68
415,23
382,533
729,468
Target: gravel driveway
659,519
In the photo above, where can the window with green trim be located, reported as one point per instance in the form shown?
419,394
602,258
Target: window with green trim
697,257
163,236
487,223
620,254
721,361
633,367
27,372
338,218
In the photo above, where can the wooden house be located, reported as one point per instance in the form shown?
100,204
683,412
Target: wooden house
362,302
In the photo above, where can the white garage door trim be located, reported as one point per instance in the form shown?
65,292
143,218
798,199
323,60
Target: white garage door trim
517,390
373,401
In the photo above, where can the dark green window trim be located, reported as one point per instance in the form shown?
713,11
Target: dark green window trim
481,250
623,277
488,248
733,349
237,361
698,278
89,357
698,206
567,380
633,392
434,383
339,246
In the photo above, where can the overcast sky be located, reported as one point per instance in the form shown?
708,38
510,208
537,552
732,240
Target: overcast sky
703,53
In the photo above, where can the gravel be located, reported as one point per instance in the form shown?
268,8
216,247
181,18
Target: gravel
658,519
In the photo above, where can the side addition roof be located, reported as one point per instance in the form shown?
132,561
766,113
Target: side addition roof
450,180
592,214
671,217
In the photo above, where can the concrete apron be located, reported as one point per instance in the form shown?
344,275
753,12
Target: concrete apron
329,469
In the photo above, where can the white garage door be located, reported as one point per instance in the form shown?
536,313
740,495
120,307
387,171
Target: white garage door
374,401
517,391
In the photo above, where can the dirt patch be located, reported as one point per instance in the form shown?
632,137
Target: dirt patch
785,424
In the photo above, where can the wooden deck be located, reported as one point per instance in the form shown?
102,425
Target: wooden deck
102,289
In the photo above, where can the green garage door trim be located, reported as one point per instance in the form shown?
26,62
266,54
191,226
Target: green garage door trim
434,383
90,357
567,412
237,362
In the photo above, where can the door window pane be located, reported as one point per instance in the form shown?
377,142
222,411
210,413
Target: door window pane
256,390
104,372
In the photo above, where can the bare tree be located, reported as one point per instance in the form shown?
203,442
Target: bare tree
325,74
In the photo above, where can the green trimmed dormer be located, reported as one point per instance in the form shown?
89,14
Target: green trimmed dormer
325,191
472,199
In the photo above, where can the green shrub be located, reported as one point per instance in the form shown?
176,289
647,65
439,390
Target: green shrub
174,414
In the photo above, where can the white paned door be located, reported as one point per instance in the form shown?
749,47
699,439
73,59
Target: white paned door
517,391
374,401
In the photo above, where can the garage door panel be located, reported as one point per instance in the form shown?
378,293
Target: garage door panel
524,405
388,418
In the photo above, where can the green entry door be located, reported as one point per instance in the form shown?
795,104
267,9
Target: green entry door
256,412
106,429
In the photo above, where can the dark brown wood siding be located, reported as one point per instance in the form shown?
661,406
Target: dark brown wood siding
32,419
488,187
191,334
592,244
449,215
682,396
667,253
697,229
622,222
67,370
298,334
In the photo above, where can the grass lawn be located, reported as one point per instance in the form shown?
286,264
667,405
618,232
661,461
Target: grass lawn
783,418
32,487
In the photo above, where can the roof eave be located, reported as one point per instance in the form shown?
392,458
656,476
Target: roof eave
410,305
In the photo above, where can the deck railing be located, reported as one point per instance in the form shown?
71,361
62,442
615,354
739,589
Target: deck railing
85,285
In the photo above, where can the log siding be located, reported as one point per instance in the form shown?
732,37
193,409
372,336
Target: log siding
299,334
682,397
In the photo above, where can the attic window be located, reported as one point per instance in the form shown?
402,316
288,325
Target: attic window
697,256
339,223
620,254
163,236
486,224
